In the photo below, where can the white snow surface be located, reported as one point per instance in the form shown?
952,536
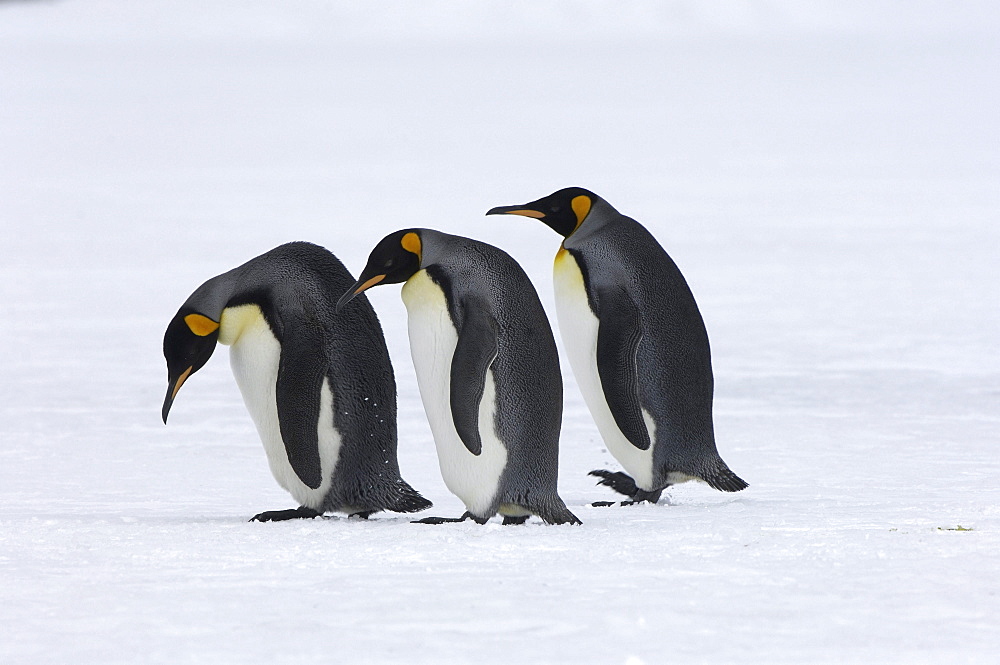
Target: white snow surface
827,176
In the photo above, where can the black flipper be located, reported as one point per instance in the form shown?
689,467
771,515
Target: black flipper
474,352
618,338
281,515
301,373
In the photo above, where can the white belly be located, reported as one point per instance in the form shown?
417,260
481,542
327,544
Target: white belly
472,478
254,357
579,334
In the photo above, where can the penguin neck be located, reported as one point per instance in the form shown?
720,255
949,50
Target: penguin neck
235,321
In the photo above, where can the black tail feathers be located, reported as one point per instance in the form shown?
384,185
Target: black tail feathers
721,478
408,500
556,512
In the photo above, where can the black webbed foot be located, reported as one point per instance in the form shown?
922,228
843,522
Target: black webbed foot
602,504
452,520
362,514
623,484
282,515
509,520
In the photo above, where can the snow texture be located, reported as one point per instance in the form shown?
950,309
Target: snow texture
827,176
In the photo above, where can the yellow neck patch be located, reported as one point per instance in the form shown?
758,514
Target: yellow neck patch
200,325
411,243
581,206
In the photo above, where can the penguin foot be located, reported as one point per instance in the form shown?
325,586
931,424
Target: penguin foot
623,484
362,514
509,520
282,515
602,504
616,480
452,520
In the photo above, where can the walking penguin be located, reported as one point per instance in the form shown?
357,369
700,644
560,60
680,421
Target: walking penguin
487,369
637,344
318,384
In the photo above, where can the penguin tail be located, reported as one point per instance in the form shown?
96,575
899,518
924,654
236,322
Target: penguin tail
408,500
556,512
724,480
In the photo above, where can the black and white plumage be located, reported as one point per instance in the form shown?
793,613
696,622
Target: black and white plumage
637,344
318,384
487,369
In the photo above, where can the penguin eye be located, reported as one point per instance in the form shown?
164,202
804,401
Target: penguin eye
556,209
388,264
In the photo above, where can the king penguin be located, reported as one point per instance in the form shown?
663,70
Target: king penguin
318,384
487,370
637,345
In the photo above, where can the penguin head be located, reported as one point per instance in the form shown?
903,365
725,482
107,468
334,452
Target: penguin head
187,345
396,258
564,210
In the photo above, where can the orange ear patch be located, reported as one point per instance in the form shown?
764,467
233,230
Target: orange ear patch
200,325
411,243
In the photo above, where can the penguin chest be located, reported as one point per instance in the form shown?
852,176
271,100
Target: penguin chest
255,355
433,339
579,327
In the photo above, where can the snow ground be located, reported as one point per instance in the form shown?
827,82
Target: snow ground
826,175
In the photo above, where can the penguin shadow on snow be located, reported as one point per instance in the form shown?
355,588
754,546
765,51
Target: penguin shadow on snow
487,371
637,344
318,384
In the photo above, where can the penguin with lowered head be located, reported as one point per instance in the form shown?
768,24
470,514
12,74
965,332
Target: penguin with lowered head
637,344
487,370
318,384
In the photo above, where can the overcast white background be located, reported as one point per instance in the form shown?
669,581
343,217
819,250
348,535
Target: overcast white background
825,174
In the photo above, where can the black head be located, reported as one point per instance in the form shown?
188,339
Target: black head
564,210
187,345
395,259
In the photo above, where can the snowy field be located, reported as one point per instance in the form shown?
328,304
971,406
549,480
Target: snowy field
827,176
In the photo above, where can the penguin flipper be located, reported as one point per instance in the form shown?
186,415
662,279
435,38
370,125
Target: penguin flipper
618,338
474,353
300,379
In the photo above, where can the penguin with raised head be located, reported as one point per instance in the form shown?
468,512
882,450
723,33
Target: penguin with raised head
637,345
318,384
487,370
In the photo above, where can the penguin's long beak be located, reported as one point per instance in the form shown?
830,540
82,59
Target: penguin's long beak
359,287
516,210
173,386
